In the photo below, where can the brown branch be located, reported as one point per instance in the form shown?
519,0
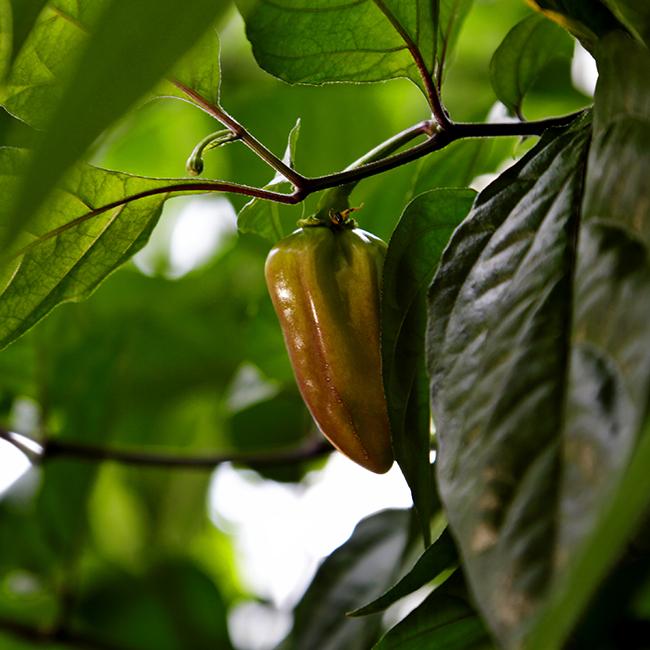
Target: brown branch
44,636
433,96
242,134
55,447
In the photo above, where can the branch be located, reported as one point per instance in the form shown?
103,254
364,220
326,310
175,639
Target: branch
44,636
433,96
55,447
242,134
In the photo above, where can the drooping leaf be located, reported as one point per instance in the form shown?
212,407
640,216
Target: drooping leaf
316,42
68,251
269,220
525,51
499,324
413,255
443,620
539,348
101,84
354,572
613,289
438,557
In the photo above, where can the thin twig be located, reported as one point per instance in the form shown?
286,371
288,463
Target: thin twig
56,448
432,94
43,636
242,134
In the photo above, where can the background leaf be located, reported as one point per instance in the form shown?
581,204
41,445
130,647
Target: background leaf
413,254
354,572
438,557
524,53
443,620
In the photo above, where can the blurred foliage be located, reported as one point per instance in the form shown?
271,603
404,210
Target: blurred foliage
196,365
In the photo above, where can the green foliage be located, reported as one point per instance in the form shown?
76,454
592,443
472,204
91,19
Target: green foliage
526,50
527,372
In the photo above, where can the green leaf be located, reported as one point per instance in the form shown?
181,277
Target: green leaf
172,607
25,14
611,322
442,620
95,95
354,572
69,250
587,20
458,164
413,255
525,51
634,15
498,339
315,41
438,557
199,70
269,220
6,37
452,14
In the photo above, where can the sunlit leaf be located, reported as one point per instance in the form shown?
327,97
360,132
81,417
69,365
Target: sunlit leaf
102,84
317,41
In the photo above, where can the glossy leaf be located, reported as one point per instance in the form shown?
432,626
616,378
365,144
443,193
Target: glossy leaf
413,255
525,51
438,557
615,274
354,572
142,60
317,42
499,325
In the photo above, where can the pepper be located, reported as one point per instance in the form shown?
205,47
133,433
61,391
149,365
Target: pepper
325,283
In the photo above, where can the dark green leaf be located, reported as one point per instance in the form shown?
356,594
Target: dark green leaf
174,607
588,20
269,220
525,51
317,41
108,79
413,255
499,324
438,557
634,15
613,289
354,572
443,621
